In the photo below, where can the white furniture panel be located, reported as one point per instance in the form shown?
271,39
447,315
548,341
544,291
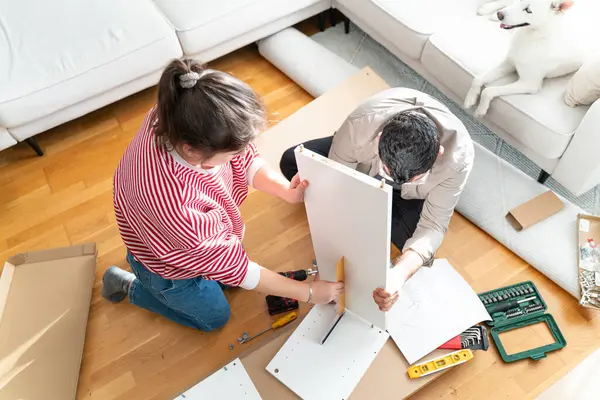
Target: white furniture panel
349,215
230,382
332,370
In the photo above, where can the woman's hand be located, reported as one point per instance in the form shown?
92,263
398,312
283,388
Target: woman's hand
325,292
384,300
295,193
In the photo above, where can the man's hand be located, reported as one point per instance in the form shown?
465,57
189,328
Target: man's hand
385,300
295,193
405,267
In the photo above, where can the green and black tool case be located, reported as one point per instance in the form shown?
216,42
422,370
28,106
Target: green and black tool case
517,306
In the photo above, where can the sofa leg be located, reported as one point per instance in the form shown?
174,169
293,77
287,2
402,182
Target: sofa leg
322,21
543,177
346,25
332,18
35,146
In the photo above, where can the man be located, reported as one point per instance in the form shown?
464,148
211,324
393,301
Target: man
422,150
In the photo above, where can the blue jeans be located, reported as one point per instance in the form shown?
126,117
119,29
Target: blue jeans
196,303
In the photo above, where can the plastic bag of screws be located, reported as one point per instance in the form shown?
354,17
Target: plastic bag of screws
590,289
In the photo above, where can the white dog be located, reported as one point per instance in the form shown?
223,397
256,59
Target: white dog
545,45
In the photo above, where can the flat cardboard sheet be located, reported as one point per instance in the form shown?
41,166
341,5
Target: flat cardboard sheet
44,305
336,366
321,117
349,214
230,382
588,267
535,210
435,305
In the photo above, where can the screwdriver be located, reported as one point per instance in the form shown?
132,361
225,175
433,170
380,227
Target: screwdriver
508,306
299,275
280,322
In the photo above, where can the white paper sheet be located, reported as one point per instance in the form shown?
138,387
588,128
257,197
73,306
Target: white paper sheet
435,305
230,382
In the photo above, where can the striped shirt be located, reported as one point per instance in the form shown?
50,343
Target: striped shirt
181,221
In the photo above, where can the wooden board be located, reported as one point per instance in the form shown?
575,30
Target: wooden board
349,214
341,300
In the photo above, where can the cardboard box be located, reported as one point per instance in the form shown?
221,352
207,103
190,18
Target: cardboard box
588,227
44,305
535,210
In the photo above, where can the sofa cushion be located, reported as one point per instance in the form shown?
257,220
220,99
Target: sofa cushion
67,51
542,122
203,24
407,24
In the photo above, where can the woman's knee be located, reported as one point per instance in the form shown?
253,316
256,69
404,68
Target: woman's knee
218,317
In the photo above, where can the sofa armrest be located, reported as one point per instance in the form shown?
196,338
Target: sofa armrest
579,168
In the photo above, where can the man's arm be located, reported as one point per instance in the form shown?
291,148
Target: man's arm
433,224
420,249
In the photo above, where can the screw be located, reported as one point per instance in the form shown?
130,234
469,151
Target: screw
230,347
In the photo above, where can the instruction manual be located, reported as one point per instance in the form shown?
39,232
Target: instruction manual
435,305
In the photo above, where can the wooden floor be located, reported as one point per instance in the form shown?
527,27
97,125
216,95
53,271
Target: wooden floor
65,198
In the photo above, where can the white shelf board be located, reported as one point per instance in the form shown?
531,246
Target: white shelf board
332,370
349,215
230,382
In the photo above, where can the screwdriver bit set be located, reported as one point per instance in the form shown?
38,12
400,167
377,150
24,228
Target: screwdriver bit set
497,296
517,306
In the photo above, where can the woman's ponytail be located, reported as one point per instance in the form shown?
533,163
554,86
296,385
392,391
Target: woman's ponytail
206,109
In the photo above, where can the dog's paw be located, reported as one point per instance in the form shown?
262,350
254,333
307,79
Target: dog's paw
471,98
482,109
488,8
570,101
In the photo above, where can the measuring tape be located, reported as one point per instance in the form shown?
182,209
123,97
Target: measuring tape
440,363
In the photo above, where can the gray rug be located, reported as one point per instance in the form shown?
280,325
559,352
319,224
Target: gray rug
362,51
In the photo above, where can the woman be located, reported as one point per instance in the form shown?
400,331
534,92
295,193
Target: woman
177,192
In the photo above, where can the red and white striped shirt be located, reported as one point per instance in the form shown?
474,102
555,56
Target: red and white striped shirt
181,221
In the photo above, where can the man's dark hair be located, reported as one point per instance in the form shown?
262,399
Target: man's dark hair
409,145
209,110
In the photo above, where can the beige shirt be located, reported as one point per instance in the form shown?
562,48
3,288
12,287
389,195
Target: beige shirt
355,145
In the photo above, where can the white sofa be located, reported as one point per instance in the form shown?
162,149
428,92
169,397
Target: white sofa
448,44
62,59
